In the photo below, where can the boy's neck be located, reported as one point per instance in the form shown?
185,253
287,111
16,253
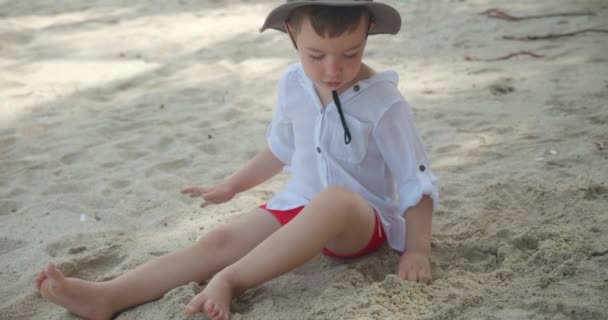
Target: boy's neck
364,73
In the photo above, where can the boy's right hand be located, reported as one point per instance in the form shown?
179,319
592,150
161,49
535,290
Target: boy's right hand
215,194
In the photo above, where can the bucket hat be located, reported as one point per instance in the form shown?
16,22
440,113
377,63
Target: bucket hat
387,20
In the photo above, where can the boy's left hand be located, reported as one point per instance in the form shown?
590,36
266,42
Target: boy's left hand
415,266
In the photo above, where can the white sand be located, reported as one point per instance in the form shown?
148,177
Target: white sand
108,108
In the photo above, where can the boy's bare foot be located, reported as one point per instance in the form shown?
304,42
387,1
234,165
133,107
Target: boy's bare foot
215,299
82,298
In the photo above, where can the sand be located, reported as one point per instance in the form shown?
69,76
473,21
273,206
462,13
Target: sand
108,108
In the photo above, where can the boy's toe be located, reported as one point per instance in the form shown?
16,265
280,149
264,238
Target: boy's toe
196,304
190,309
40,279
211,309
223,316
53,273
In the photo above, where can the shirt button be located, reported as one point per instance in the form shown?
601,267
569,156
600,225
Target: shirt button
422,168
318,150
356,88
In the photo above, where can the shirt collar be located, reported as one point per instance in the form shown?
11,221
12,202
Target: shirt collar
384,76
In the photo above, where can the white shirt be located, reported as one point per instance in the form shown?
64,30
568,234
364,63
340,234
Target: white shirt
385,162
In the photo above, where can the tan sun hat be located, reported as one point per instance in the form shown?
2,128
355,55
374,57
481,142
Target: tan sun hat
386,18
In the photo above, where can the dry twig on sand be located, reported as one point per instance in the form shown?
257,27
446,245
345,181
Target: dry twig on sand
505,57
554,35
499,14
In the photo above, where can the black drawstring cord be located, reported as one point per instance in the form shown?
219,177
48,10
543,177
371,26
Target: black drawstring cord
347,137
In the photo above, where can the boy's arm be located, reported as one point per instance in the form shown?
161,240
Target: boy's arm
257,170
415,264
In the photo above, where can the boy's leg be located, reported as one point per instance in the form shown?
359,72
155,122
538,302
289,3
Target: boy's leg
216,250
337,218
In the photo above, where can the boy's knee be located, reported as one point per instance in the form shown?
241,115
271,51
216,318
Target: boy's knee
218,238
342,197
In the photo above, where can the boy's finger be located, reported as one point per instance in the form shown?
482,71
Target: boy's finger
204,204
194,189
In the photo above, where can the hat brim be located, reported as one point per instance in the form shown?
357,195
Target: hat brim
387,20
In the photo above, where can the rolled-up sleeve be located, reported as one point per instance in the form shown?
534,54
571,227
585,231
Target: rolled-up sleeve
279,134
403,152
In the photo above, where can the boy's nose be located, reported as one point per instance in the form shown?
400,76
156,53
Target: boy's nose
332,67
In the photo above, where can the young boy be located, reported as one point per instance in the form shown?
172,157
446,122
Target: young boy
345,135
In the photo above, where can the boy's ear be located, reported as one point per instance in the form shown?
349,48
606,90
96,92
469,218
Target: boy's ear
372,25
289,32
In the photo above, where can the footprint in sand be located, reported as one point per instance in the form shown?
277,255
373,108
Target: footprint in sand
7,245
71,158
502,87
599,119
593,191
90,256
8,207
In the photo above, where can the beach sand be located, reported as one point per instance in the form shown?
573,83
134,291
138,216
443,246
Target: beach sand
108,108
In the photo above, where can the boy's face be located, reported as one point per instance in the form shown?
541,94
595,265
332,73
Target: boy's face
331,63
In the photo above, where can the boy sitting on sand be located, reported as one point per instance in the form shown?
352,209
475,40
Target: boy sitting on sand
345,135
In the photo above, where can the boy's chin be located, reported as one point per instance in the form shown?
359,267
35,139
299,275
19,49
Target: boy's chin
332,86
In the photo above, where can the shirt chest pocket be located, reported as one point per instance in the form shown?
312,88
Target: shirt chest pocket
355,151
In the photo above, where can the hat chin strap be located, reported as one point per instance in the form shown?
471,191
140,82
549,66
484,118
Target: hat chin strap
347,137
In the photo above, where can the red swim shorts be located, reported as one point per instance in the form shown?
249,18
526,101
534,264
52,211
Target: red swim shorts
378,238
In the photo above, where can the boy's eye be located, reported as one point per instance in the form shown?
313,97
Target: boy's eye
351,55
317,57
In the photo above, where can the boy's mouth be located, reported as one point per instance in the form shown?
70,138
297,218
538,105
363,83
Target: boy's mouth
333,85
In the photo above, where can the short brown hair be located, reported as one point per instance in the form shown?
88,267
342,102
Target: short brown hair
327,20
